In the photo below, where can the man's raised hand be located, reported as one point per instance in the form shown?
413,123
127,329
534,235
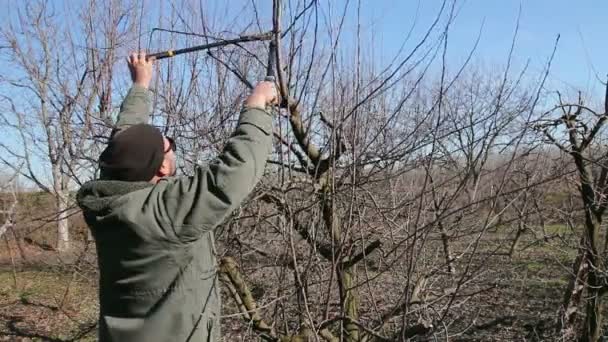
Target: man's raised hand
264,94
141,68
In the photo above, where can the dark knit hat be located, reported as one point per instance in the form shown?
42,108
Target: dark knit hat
134,154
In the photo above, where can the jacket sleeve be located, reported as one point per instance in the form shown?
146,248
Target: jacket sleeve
135,109
194,205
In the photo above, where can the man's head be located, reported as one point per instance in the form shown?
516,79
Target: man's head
168,168
138,153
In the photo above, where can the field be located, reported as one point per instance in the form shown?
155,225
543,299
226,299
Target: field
404,184
52,297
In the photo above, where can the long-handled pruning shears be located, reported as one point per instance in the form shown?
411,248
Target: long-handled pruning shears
272,61
271,67
242,39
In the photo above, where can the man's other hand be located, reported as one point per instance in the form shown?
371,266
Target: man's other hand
263,95
140,68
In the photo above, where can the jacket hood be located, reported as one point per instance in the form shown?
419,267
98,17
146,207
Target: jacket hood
97,196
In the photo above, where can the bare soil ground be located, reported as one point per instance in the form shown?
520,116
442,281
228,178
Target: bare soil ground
48,298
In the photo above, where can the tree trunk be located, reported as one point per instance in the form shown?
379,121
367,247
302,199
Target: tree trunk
521,228
90,235
594,261
445,239
63,232
573,297
61,203
351,303
592,330
346,273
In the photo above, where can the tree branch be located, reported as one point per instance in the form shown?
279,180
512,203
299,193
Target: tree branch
367,251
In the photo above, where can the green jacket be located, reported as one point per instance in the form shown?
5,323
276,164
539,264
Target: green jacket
156,259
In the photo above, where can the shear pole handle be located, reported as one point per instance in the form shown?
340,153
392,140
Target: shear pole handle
272,62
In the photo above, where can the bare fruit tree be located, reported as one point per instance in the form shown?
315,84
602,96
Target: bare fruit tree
8,189
578,132
372,172
56,96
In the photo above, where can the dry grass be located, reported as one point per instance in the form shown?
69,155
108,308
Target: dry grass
49,298
46,299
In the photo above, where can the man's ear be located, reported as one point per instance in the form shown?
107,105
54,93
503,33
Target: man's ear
165,168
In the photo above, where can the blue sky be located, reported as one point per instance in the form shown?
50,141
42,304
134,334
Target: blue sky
582,25
582,51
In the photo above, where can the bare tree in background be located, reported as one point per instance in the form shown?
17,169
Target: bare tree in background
8,189
579,132
56,95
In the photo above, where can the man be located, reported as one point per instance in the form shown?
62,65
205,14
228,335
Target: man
154,232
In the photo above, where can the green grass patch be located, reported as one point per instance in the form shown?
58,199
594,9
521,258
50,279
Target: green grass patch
559,229
554,198
44,285
47,304
534,266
